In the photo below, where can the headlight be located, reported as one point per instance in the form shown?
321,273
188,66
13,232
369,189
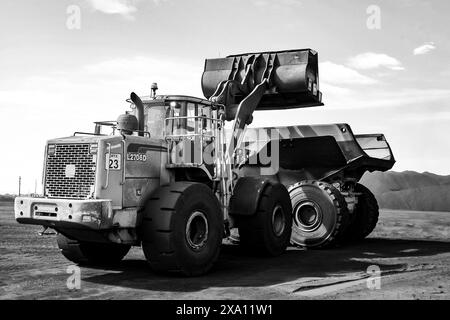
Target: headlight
51,149
175,105
93,148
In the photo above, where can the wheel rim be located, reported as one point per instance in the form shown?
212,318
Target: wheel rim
308,216
278,220
197,230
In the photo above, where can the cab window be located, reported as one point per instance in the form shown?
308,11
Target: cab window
154,121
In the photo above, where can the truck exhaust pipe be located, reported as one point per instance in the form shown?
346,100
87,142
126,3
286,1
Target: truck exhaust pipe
140,112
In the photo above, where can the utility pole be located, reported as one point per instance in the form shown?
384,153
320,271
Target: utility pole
35,186
20,183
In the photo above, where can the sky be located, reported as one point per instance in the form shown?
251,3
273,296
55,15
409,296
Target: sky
384,67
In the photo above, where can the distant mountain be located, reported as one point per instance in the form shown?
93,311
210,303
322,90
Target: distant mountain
409,190
7,197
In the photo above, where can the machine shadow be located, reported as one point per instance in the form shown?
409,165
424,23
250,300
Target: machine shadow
236,268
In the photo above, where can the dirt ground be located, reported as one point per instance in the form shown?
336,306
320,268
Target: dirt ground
411,250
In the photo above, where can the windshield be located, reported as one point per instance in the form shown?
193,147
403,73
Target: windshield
154,121
154,116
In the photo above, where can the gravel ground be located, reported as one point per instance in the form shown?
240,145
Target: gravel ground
411,250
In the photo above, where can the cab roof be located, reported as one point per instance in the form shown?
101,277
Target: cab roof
161,99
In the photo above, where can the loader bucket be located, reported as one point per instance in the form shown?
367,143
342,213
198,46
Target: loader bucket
294,77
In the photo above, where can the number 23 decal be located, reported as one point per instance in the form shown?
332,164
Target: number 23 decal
113,161
114,164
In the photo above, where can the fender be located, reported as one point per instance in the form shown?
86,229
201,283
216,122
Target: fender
246,195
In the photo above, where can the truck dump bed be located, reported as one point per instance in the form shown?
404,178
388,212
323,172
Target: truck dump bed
321,151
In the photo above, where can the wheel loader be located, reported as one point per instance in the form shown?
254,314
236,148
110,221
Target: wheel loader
169,177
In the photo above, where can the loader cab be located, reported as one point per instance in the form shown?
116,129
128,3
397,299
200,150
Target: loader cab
192,128
177,115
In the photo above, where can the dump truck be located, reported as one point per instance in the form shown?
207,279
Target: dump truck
321,166
168,176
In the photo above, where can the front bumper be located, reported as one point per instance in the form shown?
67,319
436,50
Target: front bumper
65,213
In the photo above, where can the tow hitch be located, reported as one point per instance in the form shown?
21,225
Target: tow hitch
44,232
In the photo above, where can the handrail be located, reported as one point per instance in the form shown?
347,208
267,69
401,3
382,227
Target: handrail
208,134
107,166
123,163
88,133
113,125
193,117
189,135
109,123
143,131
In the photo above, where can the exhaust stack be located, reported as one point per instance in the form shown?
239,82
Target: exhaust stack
140,112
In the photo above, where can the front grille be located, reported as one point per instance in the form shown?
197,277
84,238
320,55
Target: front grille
70,172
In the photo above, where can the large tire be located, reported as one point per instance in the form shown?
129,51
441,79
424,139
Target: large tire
320,214
182,229
268,231
90,253
365,215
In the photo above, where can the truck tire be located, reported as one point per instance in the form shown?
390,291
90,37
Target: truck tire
320,214
268,231
365,215
90,253
182,229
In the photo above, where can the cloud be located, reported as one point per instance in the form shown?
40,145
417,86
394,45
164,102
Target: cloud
371,60
424,49
121,7
336,74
